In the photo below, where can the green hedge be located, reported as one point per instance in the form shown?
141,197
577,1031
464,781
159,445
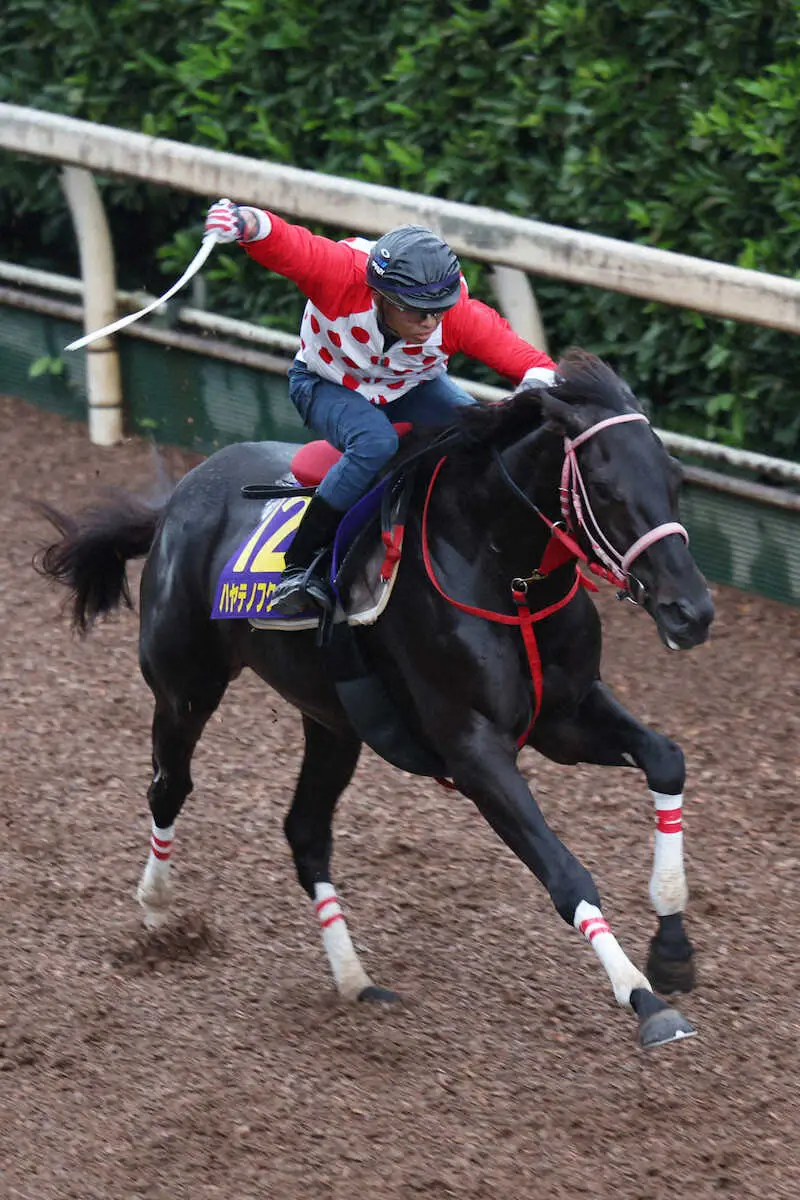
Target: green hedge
677,125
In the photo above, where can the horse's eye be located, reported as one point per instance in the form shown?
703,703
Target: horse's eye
602,491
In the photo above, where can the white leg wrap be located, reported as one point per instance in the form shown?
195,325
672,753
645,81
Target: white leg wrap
622,974
154,892
668,890
350,976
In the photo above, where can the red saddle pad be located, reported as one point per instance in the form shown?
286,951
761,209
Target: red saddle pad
313,461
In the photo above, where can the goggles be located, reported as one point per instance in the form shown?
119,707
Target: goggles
420,314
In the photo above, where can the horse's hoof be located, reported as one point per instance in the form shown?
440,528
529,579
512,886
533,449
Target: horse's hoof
667,975
378,995
663,1027
658,1023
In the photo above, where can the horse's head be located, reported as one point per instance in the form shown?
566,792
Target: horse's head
619,498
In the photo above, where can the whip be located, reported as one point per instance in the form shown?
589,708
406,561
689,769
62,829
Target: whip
209,242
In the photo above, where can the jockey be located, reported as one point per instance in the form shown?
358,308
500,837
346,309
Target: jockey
381,322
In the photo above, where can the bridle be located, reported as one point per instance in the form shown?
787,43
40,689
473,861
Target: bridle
575,499
578,518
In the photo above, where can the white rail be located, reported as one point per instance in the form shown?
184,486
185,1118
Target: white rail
103,377
481,233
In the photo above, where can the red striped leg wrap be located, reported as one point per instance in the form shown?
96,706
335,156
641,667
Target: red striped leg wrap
668,890
668,820
160,847
592,926
328,912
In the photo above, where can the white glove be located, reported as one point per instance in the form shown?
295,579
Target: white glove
538,377
226,221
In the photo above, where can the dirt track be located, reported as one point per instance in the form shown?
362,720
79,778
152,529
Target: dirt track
215,1061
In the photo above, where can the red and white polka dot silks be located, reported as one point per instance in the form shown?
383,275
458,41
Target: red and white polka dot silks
339,334
343,349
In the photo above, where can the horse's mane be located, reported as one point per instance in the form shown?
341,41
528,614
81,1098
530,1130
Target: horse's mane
586,379
582,380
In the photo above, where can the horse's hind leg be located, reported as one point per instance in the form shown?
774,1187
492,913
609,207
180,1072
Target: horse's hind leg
328,765
183,706
602,731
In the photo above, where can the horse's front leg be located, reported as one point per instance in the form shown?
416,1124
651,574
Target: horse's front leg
602,731
483,767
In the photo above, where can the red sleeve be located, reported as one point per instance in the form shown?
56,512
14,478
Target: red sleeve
478,331
324,270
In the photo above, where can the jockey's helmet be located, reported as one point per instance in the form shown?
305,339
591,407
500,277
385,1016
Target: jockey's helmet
412,268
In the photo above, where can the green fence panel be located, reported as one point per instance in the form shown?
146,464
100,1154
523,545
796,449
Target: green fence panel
25,339
736,540
180,397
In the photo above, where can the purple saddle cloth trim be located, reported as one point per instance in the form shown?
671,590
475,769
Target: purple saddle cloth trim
353,521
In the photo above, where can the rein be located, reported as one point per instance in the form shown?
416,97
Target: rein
525,618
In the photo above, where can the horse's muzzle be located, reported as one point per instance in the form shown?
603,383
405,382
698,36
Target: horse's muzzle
685,622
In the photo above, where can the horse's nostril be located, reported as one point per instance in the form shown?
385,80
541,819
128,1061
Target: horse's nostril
686,618
699,613
679,614
675,612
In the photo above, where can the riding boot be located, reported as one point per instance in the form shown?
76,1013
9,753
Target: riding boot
303,583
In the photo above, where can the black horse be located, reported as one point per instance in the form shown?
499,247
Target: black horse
489,641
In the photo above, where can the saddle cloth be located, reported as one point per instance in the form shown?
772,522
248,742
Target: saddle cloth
251,574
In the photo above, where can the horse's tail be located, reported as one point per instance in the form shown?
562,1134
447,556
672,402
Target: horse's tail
92,552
